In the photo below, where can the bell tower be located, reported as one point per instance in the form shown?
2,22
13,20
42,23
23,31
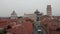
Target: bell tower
49,10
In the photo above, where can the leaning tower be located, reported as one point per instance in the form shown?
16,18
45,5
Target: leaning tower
49,10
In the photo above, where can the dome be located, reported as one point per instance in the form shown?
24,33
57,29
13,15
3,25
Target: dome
37,12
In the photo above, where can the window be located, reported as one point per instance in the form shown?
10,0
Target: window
58,29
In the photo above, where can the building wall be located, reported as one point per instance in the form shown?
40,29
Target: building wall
51,24
31,16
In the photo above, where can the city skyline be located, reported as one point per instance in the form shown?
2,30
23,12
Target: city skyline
27,6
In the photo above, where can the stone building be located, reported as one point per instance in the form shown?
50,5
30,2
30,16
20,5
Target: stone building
33,16
14,15
49,10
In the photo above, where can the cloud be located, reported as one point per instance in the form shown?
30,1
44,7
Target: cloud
27,6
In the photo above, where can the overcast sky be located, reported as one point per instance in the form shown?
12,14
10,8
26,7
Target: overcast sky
27,6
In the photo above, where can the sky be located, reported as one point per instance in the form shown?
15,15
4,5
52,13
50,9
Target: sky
27,6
